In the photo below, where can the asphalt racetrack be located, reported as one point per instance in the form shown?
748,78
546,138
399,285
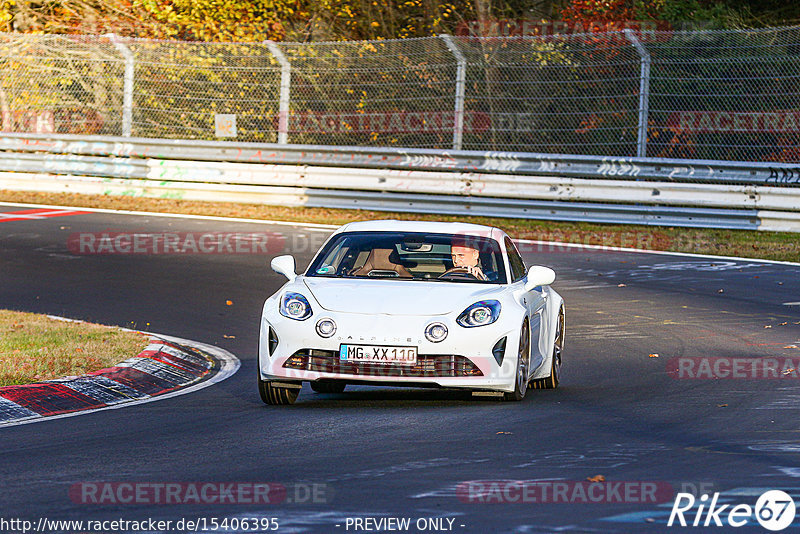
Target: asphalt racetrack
437,458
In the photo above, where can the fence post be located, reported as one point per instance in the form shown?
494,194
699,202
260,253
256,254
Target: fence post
461,74
286,84
644,91
127,92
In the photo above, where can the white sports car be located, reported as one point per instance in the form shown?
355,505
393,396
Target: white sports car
423,304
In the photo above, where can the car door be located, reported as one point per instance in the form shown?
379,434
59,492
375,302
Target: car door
534,301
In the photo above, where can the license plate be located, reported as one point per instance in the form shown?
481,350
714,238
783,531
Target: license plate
378,354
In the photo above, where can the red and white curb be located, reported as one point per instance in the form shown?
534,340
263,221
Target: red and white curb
167,367
36,214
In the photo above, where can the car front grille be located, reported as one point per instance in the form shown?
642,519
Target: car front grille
428,365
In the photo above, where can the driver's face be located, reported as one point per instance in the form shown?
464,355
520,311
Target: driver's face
464,256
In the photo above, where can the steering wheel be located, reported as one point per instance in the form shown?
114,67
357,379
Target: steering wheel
457,272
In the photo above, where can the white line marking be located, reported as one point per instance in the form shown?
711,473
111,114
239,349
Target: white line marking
333,227
229,364
662,252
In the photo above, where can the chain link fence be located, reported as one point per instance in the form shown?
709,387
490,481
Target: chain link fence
722,95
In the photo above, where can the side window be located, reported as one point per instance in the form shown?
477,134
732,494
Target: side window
517,265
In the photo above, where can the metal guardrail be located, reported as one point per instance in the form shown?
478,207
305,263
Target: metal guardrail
473,184
593,189
591,167
611,213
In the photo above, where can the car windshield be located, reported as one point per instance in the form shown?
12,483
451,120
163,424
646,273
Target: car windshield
411,256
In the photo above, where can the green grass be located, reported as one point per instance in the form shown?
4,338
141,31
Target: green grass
34,347
745,243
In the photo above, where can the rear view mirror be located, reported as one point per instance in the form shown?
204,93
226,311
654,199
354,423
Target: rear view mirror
539,276
416,247
284,265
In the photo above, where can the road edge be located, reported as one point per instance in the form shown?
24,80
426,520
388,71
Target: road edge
318,226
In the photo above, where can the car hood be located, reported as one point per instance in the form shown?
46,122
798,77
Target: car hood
396,297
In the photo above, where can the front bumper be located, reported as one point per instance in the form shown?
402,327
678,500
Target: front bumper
463,360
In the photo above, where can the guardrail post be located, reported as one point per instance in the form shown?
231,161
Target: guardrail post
461,74
644,91
127,92
286,84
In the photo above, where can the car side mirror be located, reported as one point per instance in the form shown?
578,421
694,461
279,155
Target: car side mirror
284,265
539,276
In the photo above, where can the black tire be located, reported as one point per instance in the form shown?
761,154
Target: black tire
328,386
551,382
276,395
523,360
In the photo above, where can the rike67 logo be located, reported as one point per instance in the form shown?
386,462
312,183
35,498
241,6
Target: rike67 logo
774,510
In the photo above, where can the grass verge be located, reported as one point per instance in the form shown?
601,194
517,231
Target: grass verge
750,244
35,347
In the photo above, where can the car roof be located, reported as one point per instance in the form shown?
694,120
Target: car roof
393,225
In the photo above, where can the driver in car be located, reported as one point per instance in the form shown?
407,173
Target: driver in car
468,258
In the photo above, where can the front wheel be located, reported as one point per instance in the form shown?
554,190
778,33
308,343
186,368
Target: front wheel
276,394
551,382
523,357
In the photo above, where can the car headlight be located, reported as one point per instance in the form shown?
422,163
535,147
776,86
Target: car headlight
326,327
480,314
436,332
295,306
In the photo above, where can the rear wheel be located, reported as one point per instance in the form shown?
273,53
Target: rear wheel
523,357
277,394
328,386
551,382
